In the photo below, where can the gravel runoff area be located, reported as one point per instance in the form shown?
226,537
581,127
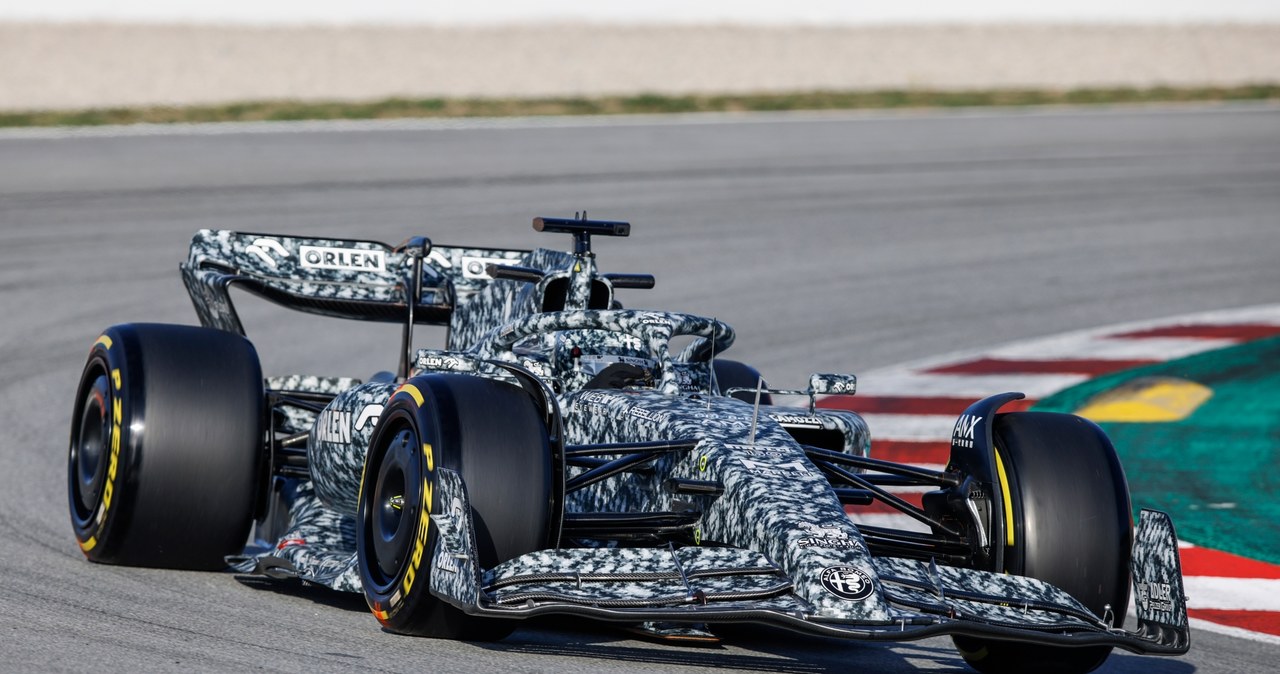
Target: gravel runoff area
74,66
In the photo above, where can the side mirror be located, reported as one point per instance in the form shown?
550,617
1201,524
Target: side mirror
819,384
833,384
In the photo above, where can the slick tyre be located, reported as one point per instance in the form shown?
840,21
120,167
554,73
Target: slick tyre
733,374
165,454
1071,527
494,436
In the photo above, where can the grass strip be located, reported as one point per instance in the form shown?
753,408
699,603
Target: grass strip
400,108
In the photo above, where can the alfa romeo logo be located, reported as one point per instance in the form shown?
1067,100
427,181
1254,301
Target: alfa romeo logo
847,582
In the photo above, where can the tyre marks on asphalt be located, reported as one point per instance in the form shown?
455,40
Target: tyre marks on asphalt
911,410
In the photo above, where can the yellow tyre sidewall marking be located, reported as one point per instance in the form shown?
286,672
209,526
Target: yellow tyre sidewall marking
412,391
1008,501
109,493
424,521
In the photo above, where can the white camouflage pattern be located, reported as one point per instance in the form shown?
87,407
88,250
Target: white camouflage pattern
766,548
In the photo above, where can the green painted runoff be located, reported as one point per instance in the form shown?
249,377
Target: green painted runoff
1217,472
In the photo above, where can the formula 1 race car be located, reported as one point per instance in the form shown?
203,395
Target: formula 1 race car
563,455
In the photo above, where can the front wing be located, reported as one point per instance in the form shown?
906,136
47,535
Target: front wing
708,584
704,584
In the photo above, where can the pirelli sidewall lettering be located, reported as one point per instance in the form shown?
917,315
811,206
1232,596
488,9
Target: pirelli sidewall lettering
409,405
116,354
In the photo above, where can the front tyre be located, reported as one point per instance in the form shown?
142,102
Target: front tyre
165,452
493,434
1072,527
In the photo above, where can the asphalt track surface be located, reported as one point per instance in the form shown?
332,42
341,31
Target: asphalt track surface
832,242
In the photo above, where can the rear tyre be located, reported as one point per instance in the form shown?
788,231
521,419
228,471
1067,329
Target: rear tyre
165,454
494,435
1072,527
733,374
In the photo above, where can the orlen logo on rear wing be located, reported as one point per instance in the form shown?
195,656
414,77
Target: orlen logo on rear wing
271,252
347,259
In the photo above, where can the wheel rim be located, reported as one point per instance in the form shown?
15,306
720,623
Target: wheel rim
396,501
90,449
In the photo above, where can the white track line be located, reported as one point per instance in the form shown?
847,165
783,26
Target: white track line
907,383
913,427
1101,348
1233,594
1267,314
890,521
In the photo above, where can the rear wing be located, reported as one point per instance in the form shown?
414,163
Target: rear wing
341,278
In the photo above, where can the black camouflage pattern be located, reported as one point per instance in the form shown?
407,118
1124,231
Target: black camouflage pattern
775,501
289,419
319,546
775,545
1158,591
339,440
915,582
365,271
502,300
455,567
